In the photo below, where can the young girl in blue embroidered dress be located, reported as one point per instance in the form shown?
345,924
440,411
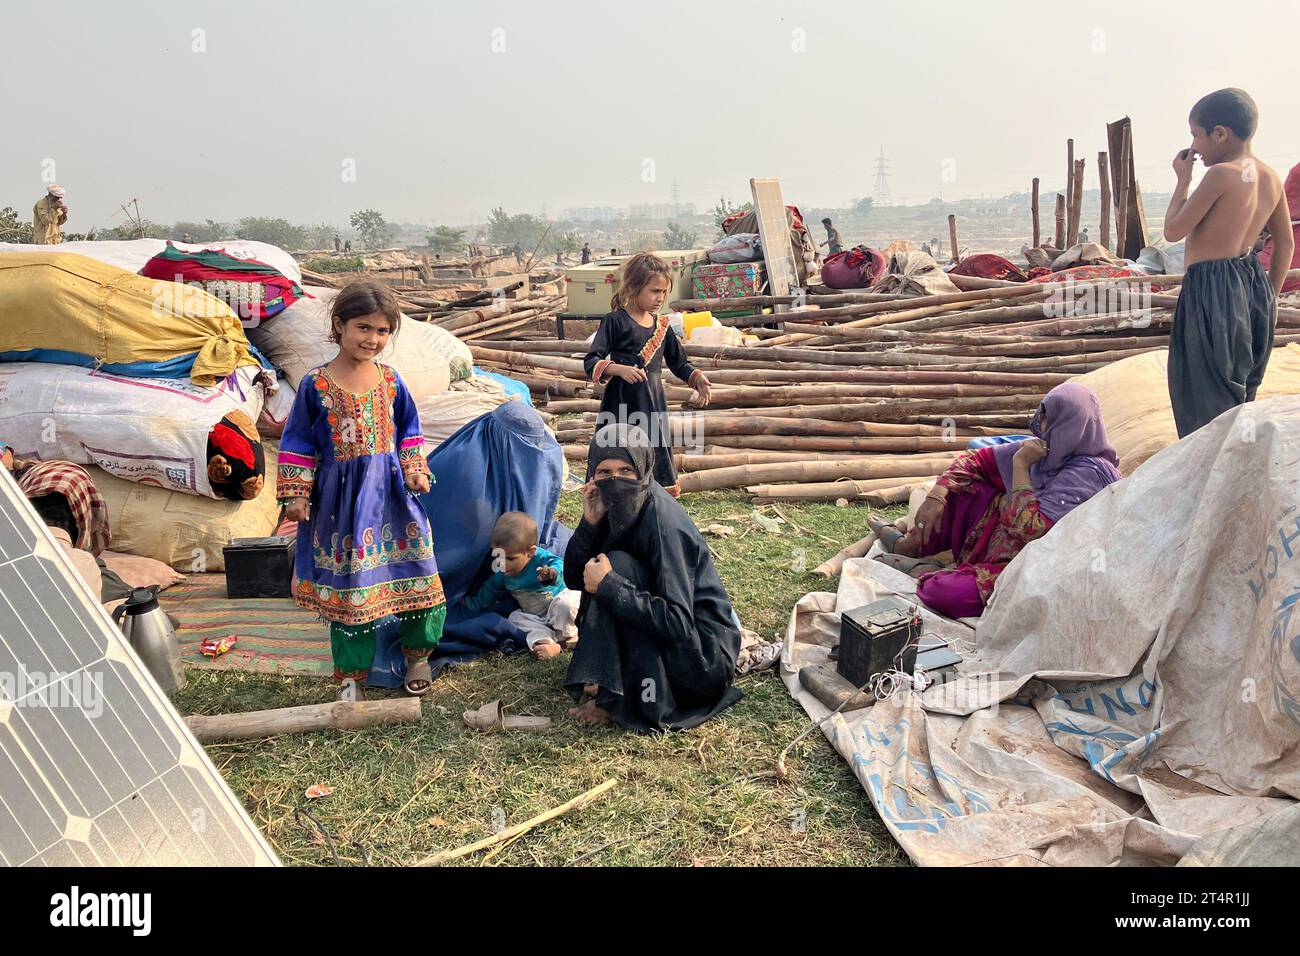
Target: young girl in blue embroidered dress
351,461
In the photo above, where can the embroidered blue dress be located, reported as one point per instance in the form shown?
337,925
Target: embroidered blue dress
366,550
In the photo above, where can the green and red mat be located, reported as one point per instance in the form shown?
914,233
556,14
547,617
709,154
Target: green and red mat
275,635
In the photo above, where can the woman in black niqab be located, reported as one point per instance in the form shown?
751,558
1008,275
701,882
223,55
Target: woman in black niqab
657,640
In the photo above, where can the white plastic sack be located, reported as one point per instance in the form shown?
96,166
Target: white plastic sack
297,341
739,247
148,430
132,254
1134,396
460,405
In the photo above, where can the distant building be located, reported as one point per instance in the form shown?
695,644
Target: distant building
662,211
595,214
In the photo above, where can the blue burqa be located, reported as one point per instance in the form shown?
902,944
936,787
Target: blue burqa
503,461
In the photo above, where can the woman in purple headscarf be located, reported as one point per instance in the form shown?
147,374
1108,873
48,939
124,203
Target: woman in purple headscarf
992,502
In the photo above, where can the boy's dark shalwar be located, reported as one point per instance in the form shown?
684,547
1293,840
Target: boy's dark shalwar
1221,339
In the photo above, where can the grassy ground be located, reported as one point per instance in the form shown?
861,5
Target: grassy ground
402,793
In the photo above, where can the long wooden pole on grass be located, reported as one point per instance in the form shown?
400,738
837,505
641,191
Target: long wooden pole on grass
338,715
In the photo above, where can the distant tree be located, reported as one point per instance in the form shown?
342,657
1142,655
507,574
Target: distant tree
207,231
321,235
375,233
13,229
639,241
446,239
724,210
567,243
137,229
523,228
277,232
863,208
678,238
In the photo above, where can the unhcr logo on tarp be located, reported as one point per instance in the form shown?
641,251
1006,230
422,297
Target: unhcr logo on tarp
75,909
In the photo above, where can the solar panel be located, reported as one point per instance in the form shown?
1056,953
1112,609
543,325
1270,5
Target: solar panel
774,232
96,766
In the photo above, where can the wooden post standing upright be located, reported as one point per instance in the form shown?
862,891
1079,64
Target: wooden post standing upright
952,235
1033,208
1071,227
1130,217
1076,201
1103,172
1060,221
1121,194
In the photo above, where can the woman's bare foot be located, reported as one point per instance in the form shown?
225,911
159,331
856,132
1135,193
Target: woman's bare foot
893,538
909,546
545,650
588,713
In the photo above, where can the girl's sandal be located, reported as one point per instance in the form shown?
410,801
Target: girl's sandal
419,676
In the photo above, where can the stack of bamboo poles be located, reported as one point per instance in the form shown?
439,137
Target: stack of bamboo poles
876,400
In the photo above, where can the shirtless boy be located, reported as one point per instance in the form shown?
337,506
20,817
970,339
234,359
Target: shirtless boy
1223,326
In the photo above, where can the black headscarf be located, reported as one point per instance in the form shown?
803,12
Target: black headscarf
624,498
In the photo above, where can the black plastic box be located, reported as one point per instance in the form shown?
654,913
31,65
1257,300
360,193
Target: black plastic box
872,636
260,567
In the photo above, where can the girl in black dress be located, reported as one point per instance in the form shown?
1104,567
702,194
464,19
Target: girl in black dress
627,356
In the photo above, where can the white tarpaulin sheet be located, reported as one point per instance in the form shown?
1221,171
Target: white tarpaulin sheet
1136,677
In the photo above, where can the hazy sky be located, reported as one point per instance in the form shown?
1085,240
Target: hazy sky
448,108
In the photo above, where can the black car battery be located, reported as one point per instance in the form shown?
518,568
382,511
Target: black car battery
878,637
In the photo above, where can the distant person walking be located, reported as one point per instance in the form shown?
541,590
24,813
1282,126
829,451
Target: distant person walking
347,247
833,240
586,253
48,215
338,245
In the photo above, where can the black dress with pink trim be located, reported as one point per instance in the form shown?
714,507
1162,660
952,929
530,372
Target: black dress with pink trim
643,404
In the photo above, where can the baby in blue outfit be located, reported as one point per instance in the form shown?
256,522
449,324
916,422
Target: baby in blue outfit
534,577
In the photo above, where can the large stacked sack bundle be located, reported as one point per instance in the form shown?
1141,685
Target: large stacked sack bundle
301,338
297,341
1134,395
165,432
132,254
182,530
255,290
66,308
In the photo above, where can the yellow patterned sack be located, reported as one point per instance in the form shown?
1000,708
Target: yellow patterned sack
62,307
